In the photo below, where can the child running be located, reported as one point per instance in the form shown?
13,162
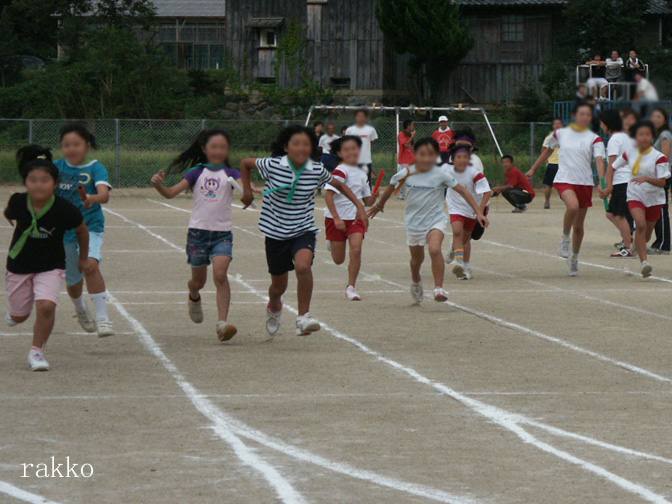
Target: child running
209,238
574,180
552,163
646,188
36,260
463,215
425,218
287,218
341,215
86,185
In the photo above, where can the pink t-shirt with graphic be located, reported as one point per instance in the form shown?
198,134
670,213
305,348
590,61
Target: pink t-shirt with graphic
212,197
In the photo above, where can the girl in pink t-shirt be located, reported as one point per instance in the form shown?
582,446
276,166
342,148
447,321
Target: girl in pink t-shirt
209,239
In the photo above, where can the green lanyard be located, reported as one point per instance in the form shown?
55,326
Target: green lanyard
31,230
292,187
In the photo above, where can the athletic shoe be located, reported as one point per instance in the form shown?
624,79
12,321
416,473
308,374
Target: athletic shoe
10,321
328,245
646,270
564,248
37,361
657,251
468,275
225,331
619,245
306,324
351,294
195,310
440,295
519,209
623,252
547,205
458,270
104,328
86,320
450,257
417,292
573,263
272,321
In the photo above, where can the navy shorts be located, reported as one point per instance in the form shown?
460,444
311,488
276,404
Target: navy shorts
203,245
549,176
280,253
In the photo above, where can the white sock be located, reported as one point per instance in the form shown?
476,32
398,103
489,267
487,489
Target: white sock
575,255
100,302
467,265
80,304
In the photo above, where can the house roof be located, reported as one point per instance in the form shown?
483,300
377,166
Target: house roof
655,6
191,8
265,22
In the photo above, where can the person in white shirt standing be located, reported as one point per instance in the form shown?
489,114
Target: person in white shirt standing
574,180
328,159
340,220
367,135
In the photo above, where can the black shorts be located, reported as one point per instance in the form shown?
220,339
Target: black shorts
280,253
445,157
549,176
618,203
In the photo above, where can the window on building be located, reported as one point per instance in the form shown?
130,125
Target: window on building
268,38
193,46
513,29
340,82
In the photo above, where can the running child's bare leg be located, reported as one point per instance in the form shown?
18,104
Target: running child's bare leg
338,252
641,232
417,258
220,275
199,275
578,230
547,195
45,316
303,261
571,209
275,292
434,244
355,242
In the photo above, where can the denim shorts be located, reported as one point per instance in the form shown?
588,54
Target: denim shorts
72,274
203,245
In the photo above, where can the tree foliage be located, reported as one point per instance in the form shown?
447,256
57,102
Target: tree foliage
432,32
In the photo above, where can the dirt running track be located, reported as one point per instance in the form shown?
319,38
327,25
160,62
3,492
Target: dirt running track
527,386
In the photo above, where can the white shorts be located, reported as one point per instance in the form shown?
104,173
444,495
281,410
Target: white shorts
600,82
415,239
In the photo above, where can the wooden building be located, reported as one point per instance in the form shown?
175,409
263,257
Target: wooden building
345,49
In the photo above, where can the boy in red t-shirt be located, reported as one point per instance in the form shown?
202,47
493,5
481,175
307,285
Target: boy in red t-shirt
445,137
406,154
517,190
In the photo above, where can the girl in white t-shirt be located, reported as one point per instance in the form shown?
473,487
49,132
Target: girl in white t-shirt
463,219
341,223
574,180
617,180
646,188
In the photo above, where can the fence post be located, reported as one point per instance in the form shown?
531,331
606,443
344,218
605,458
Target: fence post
202,124
532,142
30,131
117,154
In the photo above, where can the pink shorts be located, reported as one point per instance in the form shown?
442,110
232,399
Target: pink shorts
652,213
584,193
24,290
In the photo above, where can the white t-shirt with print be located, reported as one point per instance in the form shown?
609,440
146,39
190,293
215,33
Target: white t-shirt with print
355,178
474,181
577,150
652,164
367,134
618,144
325,142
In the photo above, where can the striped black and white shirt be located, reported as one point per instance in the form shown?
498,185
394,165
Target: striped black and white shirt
280,219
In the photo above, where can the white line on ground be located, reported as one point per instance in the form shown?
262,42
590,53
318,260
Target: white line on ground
23,495
292,451
509,421
70,333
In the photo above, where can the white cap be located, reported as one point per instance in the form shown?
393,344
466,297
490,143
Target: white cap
443,118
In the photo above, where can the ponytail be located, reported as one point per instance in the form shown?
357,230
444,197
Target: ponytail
195,153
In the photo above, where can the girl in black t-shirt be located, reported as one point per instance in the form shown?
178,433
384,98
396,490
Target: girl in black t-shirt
36,259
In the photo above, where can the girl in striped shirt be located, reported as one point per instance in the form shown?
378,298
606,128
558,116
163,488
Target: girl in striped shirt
287,218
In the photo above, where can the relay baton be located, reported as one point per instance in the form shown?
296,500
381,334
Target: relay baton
379,182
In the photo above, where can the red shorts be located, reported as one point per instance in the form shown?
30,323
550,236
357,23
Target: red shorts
584,193
653,213
467,223
351,227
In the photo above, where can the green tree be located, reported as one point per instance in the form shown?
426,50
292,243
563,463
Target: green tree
433,33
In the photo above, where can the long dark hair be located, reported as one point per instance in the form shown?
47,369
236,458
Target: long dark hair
666,124
81,130
35,157
279,146
195,153
337,144
612,120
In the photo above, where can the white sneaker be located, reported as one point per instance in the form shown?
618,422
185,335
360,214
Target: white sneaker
646,270
417,292
10,321
306,324
351,294
195,310
468,275
458,270
86,320
440,295
104,328
225,331
272,321
563,251
37,361
573,262
450,257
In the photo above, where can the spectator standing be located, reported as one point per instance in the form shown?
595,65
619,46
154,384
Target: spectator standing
517,190
445,137
318,128
552,163
367,135
663,143
633,66
405,153
329,160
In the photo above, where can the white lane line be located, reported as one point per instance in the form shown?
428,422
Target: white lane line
507,420
247,432
74,333
23,495
220,424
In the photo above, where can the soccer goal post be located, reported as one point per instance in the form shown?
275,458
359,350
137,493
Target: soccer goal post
407,111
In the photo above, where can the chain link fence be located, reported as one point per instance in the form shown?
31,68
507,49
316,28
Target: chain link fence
133,149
